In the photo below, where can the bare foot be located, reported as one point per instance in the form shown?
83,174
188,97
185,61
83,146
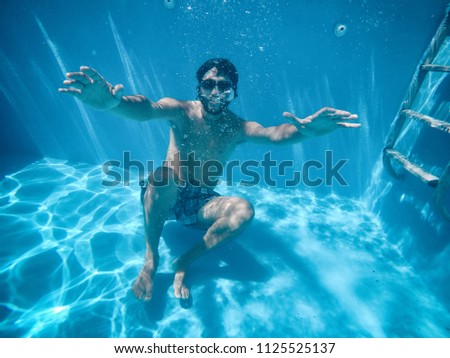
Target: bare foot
179,285
143,286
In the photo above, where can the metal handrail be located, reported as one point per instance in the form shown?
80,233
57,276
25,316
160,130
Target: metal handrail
442,183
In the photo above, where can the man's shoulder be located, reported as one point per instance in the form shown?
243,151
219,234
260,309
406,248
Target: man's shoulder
177,109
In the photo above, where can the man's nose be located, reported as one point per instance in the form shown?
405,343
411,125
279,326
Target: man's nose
215,90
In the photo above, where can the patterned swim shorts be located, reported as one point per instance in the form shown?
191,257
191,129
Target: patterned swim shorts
189,201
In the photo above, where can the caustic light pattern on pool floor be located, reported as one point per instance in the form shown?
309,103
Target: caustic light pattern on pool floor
307,266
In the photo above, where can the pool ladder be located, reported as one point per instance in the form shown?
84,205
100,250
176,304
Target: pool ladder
442,183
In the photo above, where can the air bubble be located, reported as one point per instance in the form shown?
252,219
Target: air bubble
170,4
340,29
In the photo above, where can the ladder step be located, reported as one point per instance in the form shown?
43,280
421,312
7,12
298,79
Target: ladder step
423,175
436,68
432,122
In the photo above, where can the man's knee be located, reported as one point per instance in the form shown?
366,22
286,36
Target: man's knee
244,211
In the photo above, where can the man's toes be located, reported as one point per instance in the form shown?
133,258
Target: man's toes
177,291
184,293
141,292
178,284
180,291
137,291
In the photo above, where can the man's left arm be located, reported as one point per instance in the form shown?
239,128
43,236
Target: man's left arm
320,123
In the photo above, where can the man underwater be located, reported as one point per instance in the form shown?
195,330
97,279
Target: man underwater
207,130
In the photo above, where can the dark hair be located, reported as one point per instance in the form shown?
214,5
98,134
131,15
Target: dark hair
224,66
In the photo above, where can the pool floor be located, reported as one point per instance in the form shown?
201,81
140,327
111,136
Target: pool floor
307,266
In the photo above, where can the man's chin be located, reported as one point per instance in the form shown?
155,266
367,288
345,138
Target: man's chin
215,110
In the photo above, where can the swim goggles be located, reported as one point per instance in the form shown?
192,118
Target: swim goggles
222,85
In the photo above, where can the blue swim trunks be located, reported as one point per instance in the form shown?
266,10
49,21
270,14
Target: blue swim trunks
189,201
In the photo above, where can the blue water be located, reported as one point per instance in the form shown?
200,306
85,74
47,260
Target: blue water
308,266
368,259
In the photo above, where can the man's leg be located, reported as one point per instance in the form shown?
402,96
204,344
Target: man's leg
226,217
160,196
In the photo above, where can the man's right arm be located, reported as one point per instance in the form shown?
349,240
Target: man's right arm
140,108
94,91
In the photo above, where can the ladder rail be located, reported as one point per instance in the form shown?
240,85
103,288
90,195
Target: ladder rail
430,121
418,78
436,68
413,168
442,183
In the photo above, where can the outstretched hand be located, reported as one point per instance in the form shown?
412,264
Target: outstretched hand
92,89
323,121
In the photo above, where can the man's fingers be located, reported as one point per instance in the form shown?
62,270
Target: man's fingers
352,116
345,117
90,72
289,115
72,91
336,112
117,91
295,120
79,76
349,125
327,110
74,84
73,88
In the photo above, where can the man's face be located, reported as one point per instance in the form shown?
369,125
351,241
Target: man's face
215,91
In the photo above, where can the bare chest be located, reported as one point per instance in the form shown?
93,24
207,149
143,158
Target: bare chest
214,141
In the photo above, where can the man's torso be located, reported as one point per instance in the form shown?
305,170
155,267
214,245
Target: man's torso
199,146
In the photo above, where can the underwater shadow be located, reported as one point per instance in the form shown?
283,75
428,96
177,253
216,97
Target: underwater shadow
224,261
243,260
230,262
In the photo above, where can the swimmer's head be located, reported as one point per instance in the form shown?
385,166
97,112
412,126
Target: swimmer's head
217,84
224,68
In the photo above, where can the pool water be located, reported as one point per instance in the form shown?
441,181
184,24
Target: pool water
366,259
308,266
